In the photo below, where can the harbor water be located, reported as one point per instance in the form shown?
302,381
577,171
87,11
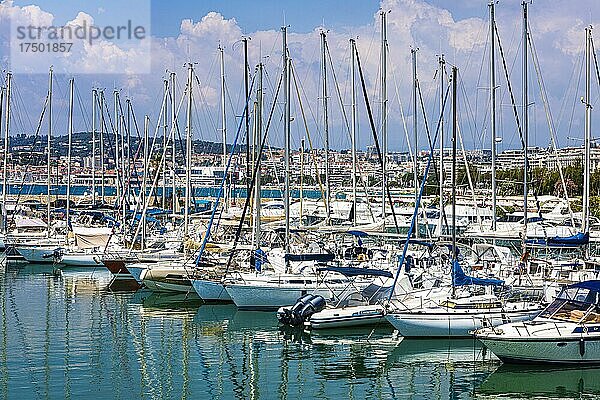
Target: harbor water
69,335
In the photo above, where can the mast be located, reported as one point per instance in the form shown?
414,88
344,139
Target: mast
588,132
6,139
301,178
286,119
256,148
442,66
493,107
173,144
143,195
384,138
94,99
102,169
325,125
247,115
224,128
127,160
70,132
49,146
353,127
3,223
188,151
117,165
454,131
416,137
525,124
165,144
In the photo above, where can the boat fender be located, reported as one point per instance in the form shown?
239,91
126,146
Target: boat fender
581,347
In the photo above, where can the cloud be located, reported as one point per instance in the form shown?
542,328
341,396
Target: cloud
557,29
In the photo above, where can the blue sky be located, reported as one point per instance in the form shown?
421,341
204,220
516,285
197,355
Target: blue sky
192,30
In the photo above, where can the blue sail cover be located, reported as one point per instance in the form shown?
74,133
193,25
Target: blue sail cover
353,271
578,239
459,278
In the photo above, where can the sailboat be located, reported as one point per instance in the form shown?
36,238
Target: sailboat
462,311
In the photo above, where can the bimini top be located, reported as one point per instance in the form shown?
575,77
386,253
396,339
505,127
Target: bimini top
590,285
353,271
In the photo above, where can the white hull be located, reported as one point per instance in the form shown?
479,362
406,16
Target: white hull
453,324
137,271
271,297
37,255
559,350
210,290
167,279
348,317
81,260
160,286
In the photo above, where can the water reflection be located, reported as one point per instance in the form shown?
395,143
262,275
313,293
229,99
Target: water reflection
69,335
518,381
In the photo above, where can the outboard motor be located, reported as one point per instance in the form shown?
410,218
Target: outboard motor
290,315
314,305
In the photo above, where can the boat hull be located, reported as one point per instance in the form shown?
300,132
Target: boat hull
561,350
456,324
257,297
38,255
211,291
348,317
80,260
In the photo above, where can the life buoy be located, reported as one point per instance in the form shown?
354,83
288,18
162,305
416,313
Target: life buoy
362,257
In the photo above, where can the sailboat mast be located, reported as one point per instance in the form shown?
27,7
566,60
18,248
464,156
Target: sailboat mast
493,107
353,126
384,138
102,169
173,144
525,124
454,132
49,146
325,124
588,132
256,148
117,164
165,144
441,71
94,99
415,136
286,118
188,151
69,150
3,224
143,193
247,115
6,138
224,127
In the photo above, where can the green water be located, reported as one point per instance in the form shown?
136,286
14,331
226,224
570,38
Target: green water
68,336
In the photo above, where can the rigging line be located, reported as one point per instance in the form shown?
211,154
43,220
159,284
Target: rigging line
509,86
254,176
435,168
567,95
221,188
157,172
372,123
312,151
595,60
574,100
30,153
550,121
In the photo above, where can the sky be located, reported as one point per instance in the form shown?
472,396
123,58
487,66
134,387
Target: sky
182,31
